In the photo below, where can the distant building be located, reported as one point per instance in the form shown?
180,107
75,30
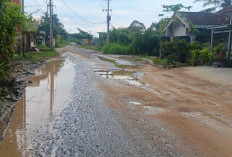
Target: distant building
102,37
29,35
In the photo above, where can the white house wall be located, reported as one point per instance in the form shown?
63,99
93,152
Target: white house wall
180,30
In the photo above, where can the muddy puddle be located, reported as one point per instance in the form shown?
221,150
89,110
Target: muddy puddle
43,99
117,61
121,75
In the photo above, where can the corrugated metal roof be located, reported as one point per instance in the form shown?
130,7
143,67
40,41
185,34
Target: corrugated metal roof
202,18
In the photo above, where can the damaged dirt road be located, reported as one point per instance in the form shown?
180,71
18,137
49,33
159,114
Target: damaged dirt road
88,104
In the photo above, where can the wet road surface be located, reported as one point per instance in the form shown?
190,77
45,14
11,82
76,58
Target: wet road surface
63,113
87,104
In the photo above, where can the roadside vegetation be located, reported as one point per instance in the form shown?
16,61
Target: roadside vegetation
12,19
91,47
37,57
146,43
150,43
12,24
61,43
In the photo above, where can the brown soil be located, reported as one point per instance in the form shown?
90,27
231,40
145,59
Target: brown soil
194,109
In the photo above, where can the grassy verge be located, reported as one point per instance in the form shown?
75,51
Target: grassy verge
61,44
115,63
43,48
37,57
96,48
114,48
157,61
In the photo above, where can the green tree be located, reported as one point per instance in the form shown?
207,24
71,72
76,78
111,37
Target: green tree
137,26
119,36
12,20
215,3
151,42
58,27
159,27
85,35
175,8
137,44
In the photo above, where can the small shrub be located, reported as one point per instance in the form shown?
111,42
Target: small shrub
213,57
118,49
194,59
43,48
61,43
37,57
113,48
204,55
220,50
106,48
195,45
96,48
178,51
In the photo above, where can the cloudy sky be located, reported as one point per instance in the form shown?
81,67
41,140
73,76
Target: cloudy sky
123,12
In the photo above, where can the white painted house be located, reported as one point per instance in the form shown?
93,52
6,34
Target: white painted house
202,27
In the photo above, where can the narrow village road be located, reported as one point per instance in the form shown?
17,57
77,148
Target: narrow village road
89,104
63,113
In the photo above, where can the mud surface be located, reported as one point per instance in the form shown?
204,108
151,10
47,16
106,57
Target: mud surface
63,113
12,90
83,106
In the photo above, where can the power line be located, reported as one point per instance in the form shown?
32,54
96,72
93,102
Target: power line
51,23
35,5
108,19
79,15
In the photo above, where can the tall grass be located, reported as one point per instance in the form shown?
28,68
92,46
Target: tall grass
96,48
113,48
37,57
61,43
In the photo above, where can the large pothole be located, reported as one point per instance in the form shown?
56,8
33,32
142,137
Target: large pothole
123,75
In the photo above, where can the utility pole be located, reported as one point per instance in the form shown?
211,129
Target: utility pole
23,6
108,22
108,19
51,23
229,41
23,35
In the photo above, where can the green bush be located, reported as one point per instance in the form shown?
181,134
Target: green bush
43,48
118,49
204,55
213,57
11,18
179,51
106,48
61,43
113,48
220,50
196,45
194,59
37,57
91,47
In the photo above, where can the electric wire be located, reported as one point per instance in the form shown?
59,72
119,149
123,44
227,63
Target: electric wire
79,15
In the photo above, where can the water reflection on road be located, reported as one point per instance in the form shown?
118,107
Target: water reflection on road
43,99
